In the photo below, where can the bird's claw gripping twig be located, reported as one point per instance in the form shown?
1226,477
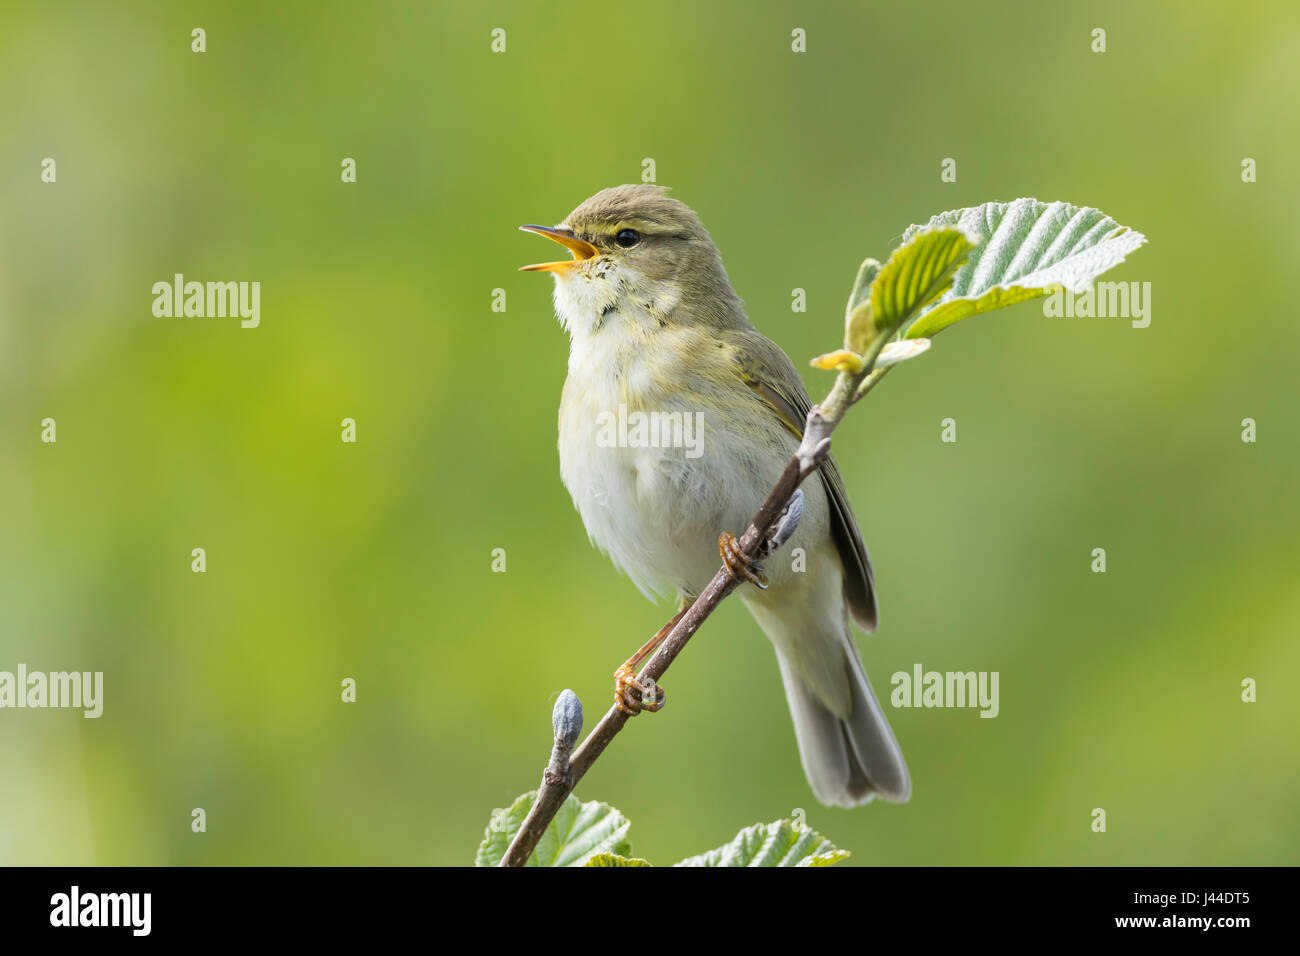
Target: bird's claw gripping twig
738,563
632,695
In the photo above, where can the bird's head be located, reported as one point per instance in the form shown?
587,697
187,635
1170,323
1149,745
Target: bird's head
637,256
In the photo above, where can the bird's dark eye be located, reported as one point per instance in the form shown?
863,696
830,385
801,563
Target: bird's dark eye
627,238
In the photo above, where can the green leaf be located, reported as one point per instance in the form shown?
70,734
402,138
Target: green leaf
917,272
501,829
613,859
1026,248
857,314
829,858
579,832
862,286
773,844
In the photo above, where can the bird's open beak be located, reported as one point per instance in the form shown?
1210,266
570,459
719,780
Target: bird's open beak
581,250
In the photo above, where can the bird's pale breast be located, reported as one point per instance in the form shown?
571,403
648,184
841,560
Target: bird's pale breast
656,499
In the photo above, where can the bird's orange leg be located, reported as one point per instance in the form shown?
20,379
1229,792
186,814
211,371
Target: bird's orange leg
741,567
632,695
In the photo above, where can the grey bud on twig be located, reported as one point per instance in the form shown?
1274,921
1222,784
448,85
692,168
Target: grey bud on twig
566,719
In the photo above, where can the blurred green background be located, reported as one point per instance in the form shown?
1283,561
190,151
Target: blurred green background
373,561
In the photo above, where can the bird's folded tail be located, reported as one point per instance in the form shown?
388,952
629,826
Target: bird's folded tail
852,757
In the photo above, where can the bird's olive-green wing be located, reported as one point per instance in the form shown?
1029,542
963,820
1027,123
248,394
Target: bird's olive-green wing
772,377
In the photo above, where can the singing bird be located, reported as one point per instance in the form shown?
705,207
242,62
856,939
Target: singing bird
655,327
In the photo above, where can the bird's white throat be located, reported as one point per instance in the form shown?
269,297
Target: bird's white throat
599,293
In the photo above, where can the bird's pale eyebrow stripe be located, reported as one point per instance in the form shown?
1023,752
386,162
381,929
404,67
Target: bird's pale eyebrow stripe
644,223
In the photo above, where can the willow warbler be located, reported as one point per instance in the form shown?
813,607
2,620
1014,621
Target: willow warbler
660,352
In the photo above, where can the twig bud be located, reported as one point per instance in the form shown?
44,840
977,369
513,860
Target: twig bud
566,719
